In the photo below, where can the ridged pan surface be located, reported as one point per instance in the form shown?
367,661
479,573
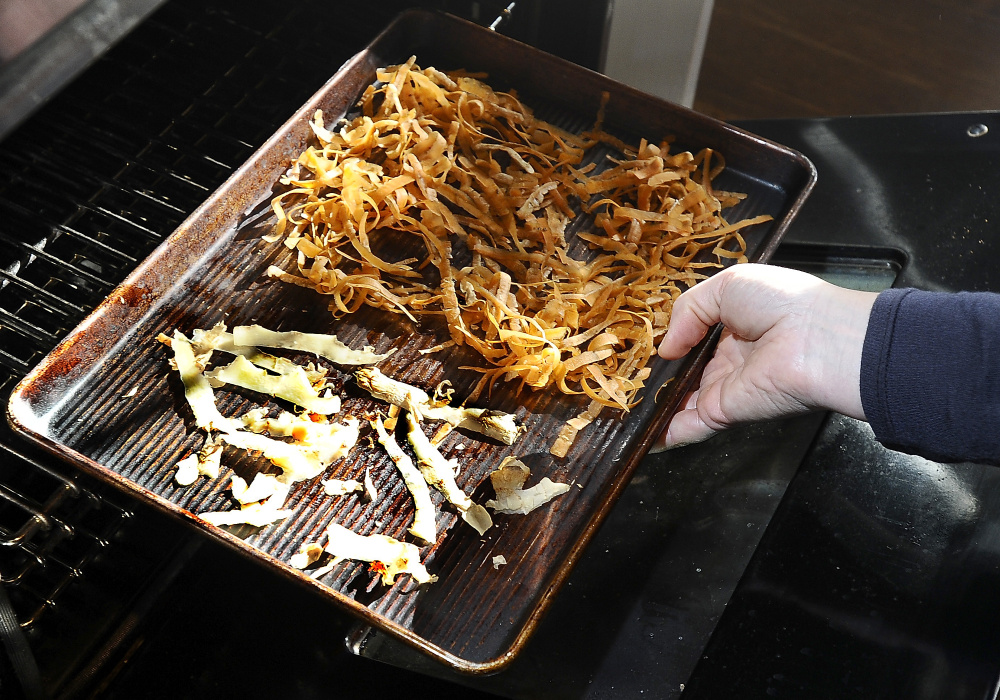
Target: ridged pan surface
106,399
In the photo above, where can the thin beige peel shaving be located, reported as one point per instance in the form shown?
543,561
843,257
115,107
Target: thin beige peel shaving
489,193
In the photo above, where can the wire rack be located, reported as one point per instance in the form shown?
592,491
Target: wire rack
90,185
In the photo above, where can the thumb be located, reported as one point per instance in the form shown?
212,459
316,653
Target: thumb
685,428
692,315
749,299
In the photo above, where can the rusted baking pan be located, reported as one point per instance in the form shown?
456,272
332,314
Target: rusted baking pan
108,402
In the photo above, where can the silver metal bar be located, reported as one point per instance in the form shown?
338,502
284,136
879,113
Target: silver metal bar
503,17
31,78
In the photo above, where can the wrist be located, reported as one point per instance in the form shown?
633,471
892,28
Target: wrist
838,328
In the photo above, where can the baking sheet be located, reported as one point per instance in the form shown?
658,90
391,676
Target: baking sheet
106,400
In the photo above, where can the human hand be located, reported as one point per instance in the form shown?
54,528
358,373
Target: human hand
791,343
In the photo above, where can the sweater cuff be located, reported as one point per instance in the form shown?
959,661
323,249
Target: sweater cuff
929,383
875,358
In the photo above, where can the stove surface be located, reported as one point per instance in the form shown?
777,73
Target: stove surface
878,575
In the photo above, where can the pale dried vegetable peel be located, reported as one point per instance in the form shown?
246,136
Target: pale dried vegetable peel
260,502
424,524
263,487
397,557
210,458
390,390
257,515
329,440
187,470
319,344
308,554
341,487
295,462
371,491
508,482
494,424
291,384
439,472
197,390
316,442
205,342
478,517
205,462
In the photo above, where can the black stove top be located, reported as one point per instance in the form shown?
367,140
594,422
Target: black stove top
879,575
790,559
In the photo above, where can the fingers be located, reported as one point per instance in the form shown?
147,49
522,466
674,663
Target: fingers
699,416
685,428
749,299
693,314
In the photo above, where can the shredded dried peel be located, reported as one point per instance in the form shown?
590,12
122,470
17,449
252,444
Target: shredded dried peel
257,514
424,525
508,483
495,424
315,441
291,385
320,344
341,487
488,191
439,472
205,462
397,557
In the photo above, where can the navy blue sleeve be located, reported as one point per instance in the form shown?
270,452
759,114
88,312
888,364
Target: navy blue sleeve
930,374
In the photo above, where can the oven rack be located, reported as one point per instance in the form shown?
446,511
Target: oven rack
73,226
91,184
47,542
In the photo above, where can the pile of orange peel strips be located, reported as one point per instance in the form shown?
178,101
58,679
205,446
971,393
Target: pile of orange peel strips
479,179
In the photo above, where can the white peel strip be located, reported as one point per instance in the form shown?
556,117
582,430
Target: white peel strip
398,557
439,472
292,385
424,525
495,424
258,515
338,487
327,346
508,481
197,390
524,501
